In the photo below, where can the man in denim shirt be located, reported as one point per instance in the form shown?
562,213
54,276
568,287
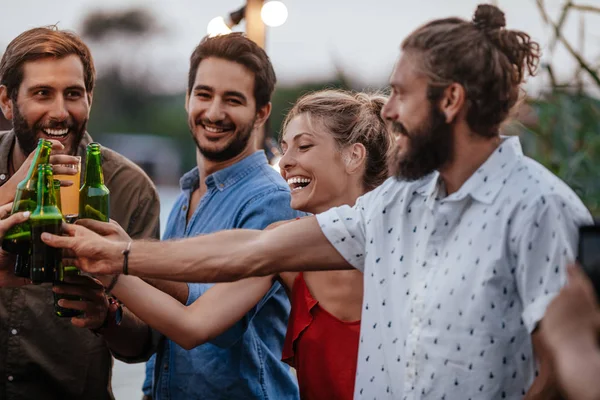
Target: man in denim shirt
230,83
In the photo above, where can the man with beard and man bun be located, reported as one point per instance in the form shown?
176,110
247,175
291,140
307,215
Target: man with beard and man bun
46,85
462,250
230,83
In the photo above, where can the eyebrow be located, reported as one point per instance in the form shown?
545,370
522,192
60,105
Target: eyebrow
46,87
232,93
282,141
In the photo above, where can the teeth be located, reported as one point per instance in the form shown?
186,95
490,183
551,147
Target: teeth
213,130
297,180
56,132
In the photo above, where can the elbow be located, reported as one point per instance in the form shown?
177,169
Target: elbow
190,341
189,337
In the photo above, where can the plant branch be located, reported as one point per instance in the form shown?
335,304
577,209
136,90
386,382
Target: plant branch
570,49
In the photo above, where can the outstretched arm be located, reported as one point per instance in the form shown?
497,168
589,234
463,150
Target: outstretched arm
223,256
209,316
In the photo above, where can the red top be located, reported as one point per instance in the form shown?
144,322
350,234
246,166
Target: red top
322,348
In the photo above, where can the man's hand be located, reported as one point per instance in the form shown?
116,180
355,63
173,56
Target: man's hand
7,260
94,253
110,230
94,303
58,161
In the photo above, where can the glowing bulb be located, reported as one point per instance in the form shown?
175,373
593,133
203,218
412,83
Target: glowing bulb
217,26
274,13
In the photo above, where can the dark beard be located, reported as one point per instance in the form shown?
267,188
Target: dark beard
27,138
430,148
233,149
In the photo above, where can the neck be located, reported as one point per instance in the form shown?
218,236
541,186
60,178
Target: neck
207,167
470,152
351,194
18,157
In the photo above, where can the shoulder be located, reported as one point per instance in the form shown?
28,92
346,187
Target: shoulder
393,192
536,188
537,198
263,182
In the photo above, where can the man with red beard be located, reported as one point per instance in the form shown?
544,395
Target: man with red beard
462,250
46,87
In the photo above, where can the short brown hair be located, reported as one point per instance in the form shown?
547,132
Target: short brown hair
237,48
351,118
38,43
489,61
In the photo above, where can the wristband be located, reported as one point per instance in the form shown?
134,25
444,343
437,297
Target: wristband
112,284
126,258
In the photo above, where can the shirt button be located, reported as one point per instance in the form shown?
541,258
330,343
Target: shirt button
166,367
2,176
10,378
184,208
14,331
221,185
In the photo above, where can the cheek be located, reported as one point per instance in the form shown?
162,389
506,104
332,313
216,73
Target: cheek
80,110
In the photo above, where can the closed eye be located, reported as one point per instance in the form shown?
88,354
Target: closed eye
305,147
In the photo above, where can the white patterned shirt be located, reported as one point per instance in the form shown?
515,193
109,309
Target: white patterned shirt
454,285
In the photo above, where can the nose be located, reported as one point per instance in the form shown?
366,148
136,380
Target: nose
387,111
286,161
58,110
215,111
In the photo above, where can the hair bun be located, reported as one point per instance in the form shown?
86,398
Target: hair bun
488,18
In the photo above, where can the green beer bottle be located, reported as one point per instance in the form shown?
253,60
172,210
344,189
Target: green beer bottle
45,260
64,271
57,201
18,239
94,196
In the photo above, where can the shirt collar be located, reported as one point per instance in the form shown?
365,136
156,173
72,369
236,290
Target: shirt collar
485,184
226,177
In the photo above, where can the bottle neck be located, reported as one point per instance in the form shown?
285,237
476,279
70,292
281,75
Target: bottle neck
93,169
42,156
45,189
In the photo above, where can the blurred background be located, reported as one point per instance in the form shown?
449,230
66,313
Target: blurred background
142,47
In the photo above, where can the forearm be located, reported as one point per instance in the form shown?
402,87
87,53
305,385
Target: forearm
176,290
209,316
545,386
235,254
577,366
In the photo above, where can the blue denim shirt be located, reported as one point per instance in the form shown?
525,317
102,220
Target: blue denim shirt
244,362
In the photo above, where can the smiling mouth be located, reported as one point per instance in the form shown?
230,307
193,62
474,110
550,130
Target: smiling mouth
298,183
216,129
56,133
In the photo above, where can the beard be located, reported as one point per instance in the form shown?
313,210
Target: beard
430,147
27,135
232,149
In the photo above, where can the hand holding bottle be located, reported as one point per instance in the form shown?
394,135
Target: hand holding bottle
7,260
93,303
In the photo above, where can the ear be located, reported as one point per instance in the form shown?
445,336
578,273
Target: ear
354,157
90,97
453,101
262,115
187,101
6,104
